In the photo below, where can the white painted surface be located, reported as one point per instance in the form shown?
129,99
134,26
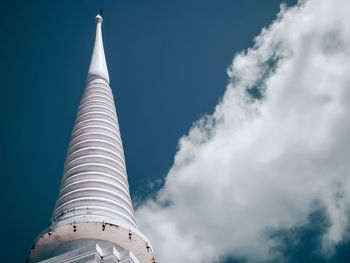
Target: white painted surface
98,65
94,253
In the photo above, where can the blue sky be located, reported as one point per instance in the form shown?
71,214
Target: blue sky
167,63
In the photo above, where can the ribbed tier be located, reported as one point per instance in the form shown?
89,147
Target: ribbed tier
95,181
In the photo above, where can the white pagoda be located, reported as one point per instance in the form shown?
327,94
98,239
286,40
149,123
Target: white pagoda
93,220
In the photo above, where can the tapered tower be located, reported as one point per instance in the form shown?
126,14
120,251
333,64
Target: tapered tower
93,219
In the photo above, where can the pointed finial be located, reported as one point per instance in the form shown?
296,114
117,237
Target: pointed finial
98,19
98,66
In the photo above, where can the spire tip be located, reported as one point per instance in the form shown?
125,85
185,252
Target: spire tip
98,66
98,19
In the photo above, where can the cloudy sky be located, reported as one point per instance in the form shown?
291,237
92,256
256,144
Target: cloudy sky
233,114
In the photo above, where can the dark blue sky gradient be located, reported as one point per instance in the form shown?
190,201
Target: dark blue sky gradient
167,62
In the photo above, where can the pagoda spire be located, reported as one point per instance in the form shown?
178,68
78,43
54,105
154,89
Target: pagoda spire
93,214
98,66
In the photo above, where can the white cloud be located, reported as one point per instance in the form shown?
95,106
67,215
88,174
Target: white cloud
255,165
